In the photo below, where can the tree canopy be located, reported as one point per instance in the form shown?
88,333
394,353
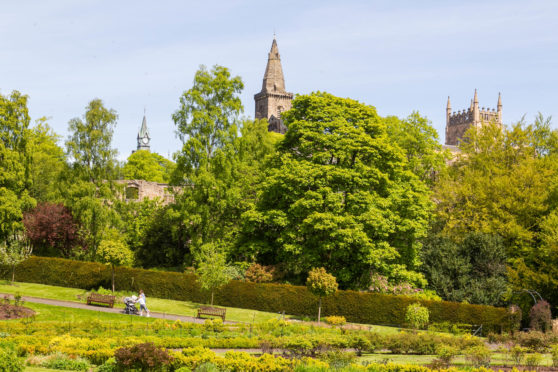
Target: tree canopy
148,166
89,142
338,194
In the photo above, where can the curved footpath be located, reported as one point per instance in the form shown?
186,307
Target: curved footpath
105,309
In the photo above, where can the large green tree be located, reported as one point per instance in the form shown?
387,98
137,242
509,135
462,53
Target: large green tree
473,270
148,166
88,189
48,163
207,120
504,182
420,143
339,194
89,142
15,180
218,169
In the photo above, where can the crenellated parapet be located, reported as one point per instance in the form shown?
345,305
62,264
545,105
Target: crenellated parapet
457,123
460,117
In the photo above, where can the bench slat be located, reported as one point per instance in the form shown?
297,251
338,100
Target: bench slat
100,298
215,311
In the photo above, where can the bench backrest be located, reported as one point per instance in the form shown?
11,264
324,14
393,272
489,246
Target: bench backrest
101,297
212,310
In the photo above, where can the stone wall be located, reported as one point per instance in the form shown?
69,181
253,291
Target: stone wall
137,190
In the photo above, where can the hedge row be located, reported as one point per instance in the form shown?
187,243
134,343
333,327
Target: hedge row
358,307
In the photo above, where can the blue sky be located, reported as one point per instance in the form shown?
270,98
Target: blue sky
399,56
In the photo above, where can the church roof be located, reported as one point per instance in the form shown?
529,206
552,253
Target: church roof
273,81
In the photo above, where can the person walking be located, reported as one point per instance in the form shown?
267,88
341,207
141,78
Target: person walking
141,301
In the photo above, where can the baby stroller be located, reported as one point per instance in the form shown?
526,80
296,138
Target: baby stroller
130,303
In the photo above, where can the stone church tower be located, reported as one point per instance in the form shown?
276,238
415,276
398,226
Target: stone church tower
143,136
458,122
273,99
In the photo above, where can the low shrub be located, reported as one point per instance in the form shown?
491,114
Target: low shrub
207,367
64,362
554,353
108,366
446,353
335,320
417,316
338,359
533,360
534,340
145,357
214,325
518,354
9,361
360,343
479,356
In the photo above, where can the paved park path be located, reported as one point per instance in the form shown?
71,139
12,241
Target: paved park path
105,309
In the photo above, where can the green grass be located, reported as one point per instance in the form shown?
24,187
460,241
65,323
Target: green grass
154,304
40,369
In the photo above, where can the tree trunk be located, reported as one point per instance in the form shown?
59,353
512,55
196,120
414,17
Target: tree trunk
320,310
13,273
211,298
112,279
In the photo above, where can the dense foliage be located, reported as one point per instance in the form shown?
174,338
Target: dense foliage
51,229
339,194
473,270
148,166
504,182
374,200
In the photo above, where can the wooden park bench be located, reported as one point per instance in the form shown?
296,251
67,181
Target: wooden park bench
214,311
100,299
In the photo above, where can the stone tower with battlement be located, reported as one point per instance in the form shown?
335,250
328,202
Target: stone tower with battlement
143,136
273,99
458,122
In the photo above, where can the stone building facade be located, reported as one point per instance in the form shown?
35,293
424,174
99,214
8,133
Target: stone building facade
458,122
273,98
137,190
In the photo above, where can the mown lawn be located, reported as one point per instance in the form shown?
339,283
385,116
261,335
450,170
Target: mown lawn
154,304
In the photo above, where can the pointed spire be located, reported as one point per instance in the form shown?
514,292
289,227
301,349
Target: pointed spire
273,81
143,131
499,101
476,99
448,107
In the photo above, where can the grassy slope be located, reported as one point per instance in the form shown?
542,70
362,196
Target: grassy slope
154,304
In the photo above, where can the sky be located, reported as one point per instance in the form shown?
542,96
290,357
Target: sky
399,56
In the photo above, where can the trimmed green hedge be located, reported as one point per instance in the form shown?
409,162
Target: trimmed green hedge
358,307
